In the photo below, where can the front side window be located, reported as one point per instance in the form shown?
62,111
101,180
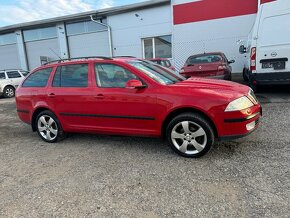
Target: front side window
2,75
13,74
38,78
75,75
204,59
112,76
156,73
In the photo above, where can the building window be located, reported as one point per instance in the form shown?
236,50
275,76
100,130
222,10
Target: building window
40,34
84,27
157,47
7,39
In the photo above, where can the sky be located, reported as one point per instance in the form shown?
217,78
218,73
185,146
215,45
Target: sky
19,11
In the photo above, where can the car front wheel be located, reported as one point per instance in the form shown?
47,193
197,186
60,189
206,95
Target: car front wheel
190,135
48,127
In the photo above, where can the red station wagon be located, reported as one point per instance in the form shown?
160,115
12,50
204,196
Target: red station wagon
133,97
213,65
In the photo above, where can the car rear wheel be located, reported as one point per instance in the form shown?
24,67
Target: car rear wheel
9,92
190,135
48,127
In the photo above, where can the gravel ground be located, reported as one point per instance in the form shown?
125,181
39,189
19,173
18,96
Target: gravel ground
111,176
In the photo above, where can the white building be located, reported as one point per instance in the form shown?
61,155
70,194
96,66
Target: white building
159,28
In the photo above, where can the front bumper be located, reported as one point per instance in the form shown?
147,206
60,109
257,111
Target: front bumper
240,123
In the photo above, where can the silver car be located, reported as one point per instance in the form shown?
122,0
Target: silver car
9,80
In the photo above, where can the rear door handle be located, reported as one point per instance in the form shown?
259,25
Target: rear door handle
100,96
51,95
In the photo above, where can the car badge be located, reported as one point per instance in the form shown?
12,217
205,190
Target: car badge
274,54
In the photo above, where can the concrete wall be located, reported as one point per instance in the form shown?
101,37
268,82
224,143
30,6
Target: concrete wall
128,30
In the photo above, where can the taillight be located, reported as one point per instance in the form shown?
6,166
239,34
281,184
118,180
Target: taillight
253,59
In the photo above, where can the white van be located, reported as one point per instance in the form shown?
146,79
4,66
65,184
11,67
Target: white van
268,46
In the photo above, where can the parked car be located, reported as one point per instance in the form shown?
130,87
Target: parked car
132,97
9,80
163,62
213,65
267,49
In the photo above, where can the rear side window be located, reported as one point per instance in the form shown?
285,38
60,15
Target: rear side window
204,59
75,75
13,74
38,78
2,76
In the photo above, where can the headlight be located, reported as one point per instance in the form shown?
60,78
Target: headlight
239,104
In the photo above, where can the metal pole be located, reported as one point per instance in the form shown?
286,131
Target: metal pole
109,34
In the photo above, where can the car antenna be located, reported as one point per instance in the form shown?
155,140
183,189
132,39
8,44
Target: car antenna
203,47
56,54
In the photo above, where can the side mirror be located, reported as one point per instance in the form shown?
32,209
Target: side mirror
134,84
242,49
231,61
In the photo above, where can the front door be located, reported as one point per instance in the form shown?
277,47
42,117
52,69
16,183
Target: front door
119,109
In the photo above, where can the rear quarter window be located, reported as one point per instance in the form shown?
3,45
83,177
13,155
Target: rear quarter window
38,78
2,76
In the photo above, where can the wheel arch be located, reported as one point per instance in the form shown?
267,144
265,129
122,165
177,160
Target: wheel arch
178,111
35,114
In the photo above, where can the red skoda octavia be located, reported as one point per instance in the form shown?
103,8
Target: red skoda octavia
133,97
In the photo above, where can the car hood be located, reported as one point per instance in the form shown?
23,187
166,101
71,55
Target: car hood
215,87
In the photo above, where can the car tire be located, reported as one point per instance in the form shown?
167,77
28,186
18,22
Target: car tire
190,135
48,127
9,92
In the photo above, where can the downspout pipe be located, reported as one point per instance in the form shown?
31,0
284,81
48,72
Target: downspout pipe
109,34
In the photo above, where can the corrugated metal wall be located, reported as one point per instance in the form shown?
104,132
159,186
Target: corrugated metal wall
9,58
35,49
89,44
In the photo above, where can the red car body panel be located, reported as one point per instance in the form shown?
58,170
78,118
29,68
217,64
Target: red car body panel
139,112
219,69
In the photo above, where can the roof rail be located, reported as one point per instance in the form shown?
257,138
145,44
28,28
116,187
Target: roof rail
78,58
124,56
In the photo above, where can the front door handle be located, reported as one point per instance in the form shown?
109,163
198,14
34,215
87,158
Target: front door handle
100,96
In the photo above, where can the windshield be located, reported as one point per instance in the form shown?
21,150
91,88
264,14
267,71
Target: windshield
154,72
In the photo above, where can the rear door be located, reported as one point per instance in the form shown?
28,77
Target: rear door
203,66
70,95
273,44
14,78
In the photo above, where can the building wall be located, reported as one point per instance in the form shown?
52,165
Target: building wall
9,58
35,49
129,28
211,26
89,44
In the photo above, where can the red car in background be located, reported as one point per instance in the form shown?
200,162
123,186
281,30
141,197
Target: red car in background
214,65
163,62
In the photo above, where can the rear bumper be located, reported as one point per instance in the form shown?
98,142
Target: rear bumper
277,78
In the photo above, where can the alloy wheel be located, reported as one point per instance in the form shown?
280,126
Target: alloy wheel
189,137
47,127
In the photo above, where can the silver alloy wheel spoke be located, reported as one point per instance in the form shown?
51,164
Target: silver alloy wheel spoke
48,136
41,128
50,121
185,126
198,133
183,147
177,135
197,146
53,131
43,121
